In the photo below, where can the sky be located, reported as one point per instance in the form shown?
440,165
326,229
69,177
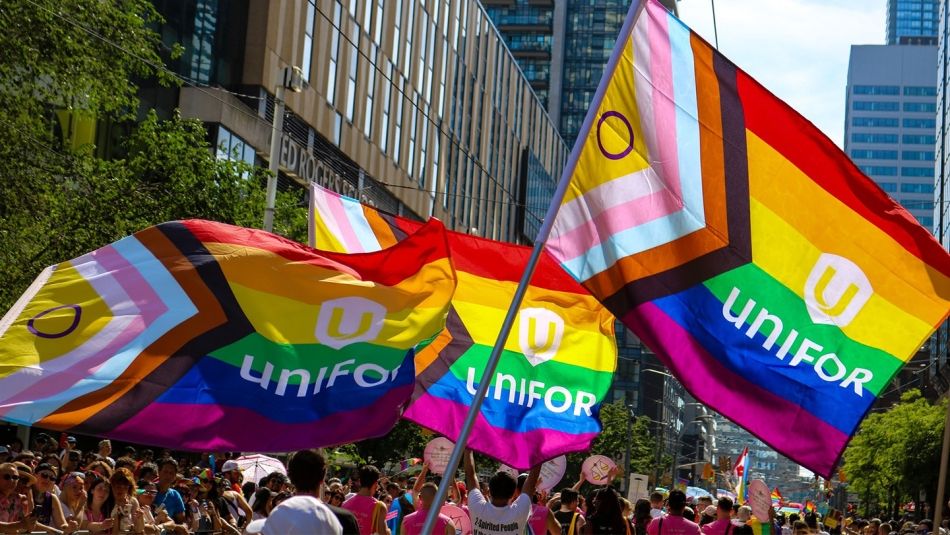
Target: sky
798,49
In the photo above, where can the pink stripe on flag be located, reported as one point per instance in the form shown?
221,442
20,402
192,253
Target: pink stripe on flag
736,397
347,234
661,74
522,450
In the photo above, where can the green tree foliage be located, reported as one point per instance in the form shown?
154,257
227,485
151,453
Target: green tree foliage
895,454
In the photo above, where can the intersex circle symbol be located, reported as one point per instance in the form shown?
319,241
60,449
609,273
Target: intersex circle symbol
600,144
30,325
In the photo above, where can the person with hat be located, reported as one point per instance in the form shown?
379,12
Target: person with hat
232,473
15,508
673,523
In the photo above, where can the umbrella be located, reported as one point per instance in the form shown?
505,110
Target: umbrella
255,467
696,492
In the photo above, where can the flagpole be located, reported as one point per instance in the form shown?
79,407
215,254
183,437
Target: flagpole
542,237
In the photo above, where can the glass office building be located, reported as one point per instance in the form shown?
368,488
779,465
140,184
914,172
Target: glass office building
913,22
418,107
939,370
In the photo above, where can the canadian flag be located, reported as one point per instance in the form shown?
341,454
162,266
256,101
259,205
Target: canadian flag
741,473
738,469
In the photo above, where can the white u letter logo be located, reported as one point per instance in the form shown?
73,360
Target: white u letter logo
540,334
836,290
349,320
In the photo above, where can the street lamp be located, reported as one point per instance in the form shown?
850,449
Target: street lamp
293,80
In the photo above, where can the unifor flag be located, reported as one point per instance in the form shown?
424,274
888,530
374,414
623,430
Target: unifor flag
773,278
205,336
557,364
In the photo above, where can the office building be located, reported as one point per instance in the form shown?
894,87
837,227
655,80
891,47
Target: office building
764,462
889,121
562,48
417,107
912,22
939,368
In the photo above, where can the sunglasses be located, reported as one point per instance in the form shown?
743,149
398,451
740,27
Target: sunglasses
10,477
46,475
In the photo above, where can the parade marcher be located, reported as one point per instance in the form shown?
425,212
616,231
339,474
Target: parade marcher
570,519
370,513
606,514
500,515
656,504
723,523
542,519
673,523
414,522
641,516
305,513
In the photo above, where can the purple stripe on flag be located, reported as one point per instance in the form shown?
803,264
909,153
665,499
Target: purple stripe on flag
763,413
215,427
520,450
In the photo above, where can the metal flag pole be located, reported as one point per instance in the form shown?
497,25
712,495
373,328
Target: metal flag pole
543,233
942,481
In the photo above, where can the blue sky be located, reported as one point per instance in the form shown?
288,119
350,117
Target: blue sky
798,49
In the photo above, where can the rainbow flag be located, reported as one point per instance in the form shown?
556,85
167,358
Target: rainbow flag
558,361
776,497
406,463
760,527
205,336
809,506
774,279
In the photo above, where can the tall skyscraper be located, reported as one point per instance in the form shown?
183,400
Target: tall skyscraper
889,121
939,369
912,22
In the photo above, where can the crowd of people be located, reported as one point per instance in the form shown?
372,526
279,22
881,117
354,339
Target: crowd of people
56,488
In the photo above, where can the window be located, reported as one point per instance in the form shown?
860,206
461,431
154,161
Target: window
913,204
890,187
926,221
925,172
874,154
926,107
378,35
873,105
917,91
308,39
411,155
876,90
354,8
878,170
333,64
351,73
397,24
232,147
410,26
367,16
423,37
370,100
883,122
910,139
917,155
920,123
926,187
384,119
873,138
397,133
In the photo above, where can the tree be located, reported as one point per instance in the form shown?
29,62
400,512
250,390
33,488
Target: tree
894,455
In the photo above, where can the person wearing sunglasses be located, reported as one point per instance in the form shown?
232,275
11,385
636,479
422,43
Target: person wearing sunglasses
16,510
46,503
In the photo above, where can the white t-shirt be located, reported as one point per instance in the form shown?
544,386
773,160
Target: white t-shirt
656,513
490,520
302,515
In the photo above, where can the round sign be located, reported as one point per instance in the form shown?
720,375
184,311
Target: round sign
760,498
596,469
459,518
552,472
437,453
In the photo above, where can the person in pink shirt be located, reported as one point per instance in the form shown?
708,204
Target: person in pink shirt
723,524
370,513
413,523
673,523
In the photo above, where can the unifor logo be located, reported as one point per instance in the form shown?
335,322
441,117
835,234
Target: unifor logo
349,320
540,334
836,290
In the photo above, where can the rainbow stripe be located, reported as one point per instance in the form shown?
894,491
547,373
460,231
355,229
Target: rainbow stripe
170,337
776,281
558,361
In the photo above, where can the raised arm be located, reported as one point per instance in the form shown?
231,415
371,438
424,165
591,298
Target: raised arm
532,482
471,480
420,480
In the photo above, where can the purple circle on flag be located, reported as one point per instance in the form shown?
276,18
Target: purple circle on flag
31,325
626,151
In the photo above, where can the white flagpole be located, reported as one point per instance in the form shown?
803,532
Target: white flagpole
543,233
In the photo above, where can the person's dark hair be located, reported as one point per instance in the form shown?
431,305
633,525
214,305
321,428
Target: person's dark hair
162,463
812,520
248,489
147,468
689,514
125,462
393,489
725,504
261,497
887,527
676,501
641,513
607,515
568,495
110,501
306,469
656,497
369,474
799,526
502,486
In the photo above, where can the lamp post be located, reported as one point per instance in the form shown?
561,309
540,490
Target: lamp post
626,463
293,80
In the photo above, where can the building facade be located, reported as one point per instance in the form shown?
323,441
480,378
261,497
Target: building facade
912,22
939,368
417,107
889,121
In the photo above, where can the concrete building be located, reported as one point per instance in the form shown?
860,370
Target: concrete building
939,368
912,22
889,121
417,107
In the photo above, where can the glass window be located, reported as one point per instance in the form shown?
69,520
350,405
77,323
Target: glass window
351,73
883,122
384,119
308,40
926,221
916,91
920,123
889,187
873,105
378,34
873,138
917,155
333,64
397,132
874,154
367,16
924,139
423,38
397,24
926,187
927,172
878,170
876,90
926,107
370,100
410,28
411,154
